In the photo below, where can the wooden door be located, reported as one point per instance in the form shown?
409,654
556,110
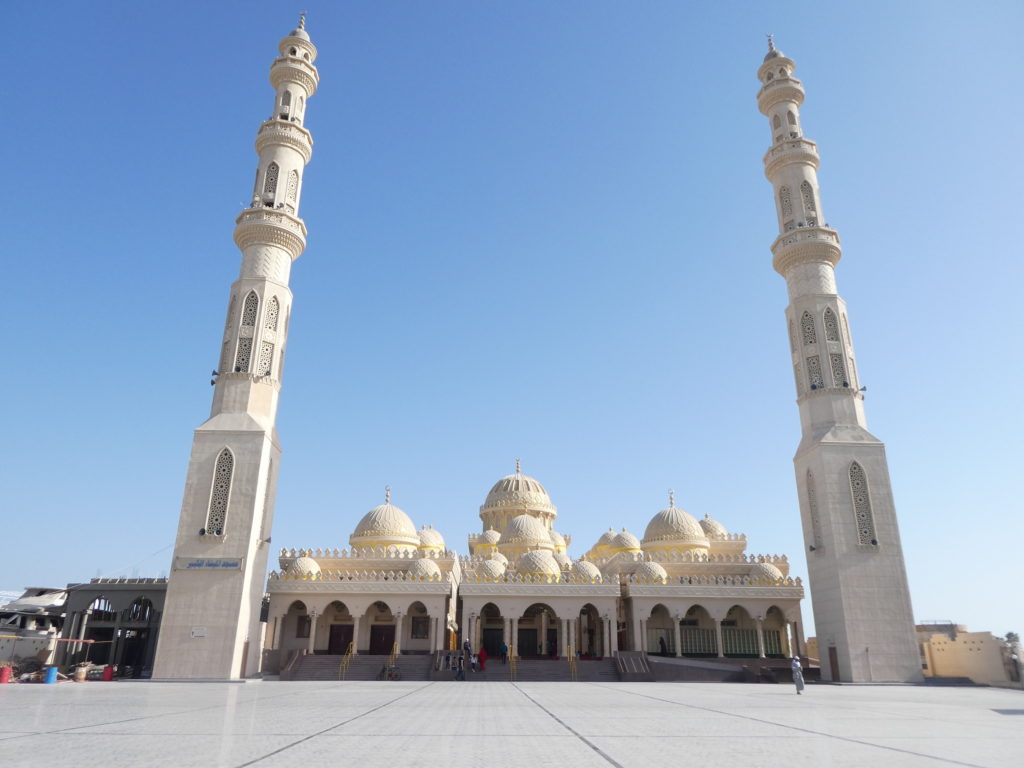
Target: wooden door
382,637
340,637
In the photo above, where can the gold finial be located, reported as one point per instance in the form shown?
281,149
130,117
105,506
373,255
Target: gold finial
302,19
771,41
517,466
671,498
387,494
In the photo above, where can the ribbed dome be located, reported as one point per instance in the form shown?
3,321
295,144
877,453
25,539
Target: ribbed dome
563,560
539,562
765,572
498,558
383,526
605,540
526,531
490,536
424,569
586,570
303,565
676,528
491,569
430,538
712,528
557,539
651,572
518,491
624,540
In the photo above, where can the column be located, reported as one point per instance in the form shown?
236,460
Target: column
760,638
542,640
718,638
81,633
798,636
356,620
679,636
506,631
279,631
312,632
398,631
613,633
787,645
432,634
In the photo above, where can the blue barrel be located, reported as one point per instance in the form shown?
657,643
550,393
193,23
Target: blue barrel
50,675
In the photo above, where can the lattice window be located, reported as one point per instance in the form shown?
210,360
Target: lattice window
786,202
838,370
831,325
814,372
270,180
286,99
266,359
812,511
250,309
293,186
862,505
220,494
807,329
808,196
791,118
273,313
243,355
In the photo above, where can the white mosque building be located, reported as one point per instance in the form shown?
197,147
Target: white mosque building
686,587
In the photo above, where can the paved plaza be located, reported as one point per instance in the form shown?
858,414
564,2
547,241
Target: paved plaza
507,724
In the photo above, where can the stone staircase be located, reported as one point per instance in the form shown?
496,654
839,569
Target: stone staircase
362,667
547,670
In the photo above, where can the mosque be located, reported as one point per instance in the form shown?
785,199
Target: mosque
688,587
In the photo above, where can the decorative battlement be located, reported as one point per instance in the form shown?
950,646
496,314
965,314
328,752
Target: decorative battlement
288,69
798,150
368,553
287,133
472,576
126,580
719,581
805,244
360,576
782,89
271,226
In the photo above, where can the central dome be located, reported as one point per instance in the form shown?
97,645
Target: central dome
518,492
385,526
525,532
674,528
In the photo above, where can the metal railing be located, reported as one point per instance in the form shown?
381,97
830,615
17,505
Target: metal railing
394,654
512,663
574,673
346,660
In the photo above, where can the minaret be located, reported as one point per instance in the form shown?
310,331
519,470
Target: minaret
211,622
862,613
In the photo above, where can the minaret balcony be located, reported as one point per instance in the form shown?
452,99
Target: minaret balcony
288,69
285,133
271,226
789,152
775,91
805,245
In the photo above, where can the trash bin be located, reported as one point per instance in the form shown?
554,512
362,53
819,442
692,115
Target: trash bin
50,675
108,674
81,673
5,675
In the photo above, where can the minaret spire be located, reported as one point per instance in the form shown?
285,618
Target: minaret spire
221,549
858,581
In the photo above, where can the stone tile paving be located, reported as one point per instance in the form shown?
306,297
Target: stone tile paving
507,724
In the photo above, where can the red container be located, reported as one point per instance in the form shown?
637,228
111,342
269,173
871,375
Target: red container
108,674
5,675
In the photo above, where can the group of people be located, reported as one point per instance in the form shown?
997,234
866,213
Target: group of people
464,659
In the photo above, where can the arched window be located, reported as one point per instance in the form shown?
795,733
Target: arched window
831,325
302,104
293,186
250,309
140,610
273,312
243,353
791,118
862,506
266,362
270,180
220,493
785,202
776,122
807,329
812,512
286,99
808,196
839,377
814,372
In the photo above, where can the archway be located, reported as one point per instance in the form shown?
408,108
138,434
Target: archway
340,627
380,623
416,629
739,634
492,630
661,636
591,633
134,652
776,641
296,627
537,633
697,633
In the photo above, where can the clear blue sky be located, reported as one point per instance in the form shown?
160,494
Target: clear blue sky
536,229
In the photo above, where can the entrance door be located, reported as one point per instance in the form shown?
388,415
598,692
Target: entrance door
493,639
341,636
552,646
833,663
382,637
527,643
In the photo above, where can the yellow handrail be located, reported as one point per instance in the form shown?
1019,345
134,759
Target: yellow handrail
574,674
346,660
394,654
512,663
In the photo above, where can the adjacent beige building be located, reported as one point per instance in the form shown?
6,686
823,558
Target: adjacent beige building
949,650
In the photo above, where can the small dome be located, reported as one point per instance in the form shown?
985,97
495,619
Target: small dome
304,565
563,560
674,527
424,569
491,569
557,539
651,572
606,539
498,558
540,563
300,33
587,571
430,538
490,536
518,491
383,526
526,531
765,572
625,541
712,528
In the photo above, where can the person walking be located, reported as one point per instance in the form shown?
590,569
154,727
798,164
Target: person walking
798,675
467,647
662,646
483,658
504,653
460,669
